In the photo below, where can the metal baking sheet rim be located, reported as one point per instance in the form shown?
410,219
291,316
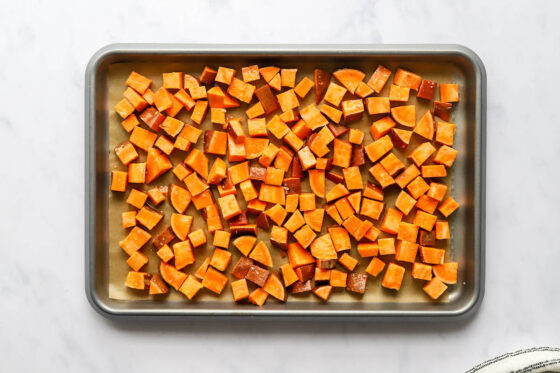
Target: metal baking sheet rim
381,49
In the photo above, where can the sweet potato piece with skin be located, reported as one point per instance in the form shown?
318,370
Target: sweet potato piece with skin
242,267
426,126
357,283
427,238
181,225
292,185
352,110
179,197
378,148
449,92
183,254
337,130
430,255
375,267
447,272
317,182
358,157
435,288
137,280
421,271
157,286
301,130
442,230
334,177
427,89
245,244
321,79
401,138
404,115
442,110
214,281
393,277
267,99
257,275
172,275
342,153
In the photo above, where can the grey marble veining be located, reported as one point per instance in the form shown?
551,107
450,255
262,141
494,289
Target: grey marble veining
45,320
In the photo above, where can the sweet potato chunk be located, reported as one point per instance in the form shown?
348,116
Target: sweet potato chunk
427,89
119,181
338,278
448,206
352,110
375,267
157,286
378,148
257,275
357,283
424,220
149,217
406,251
267,99
220,259
239,290
393,277
242,267
274,287
137,280
349,78
404,115
137,198
447,272
430,255
137,260
214,280
172,275
421,271
379,78
258,297
442,230
405,78
435,288
323,292
183,254
449,92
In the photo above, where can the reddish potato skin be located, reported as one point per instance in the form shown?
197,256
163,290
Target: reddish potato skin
358,157
427,89
242,267
292,185
243,230
356,282
300,287
263,221
443,110
257,275
334,177
398,141
427,238
322,79
297,171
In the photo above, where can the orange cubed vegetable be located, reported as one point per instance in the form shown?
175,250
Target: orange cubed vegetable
220,259
157,286
172,275
447,272
381,127
349,78
338,278
445,155
404,178
128,219
257,127
449,92
334,94
378,105
157,164
353,178
142,138
368,249
417,187
445,133
378,148
392,164
379,78
355,136
239,290
305,236
393,277
195,185
258,297
250,73
352,110
405,78
442,230
427,204
407,232
381,175
398,94
137,260
437,191
137,198
149,217
342,153
391,221
375,267
323,292
448,206
139,82
134,241
405,202
424,220
272,194
430,255
165,253
197,238
421,271
190,287
435,288
183,254
124,108
303,87
348,262
119,181
229,206
130,122
386,246
137,280
199,112
426,126
406,251
306,158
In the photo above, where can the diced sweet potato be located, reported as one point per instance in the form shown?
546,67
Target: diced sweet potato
348,262
179,197
128,219
136,198
229,206
447,272
386,246
323,292
242,267
381,175
404,115
313,117
372,233
445,133
445,155
267,99
214,280
344,208
272,194
426,126
257,275
406,251
137,260
427,204
314,219
393,277
352,110
338,191
398,94
424,220
323,248
391,221
401,138
157,164
448,206
250,73
137,280
277,214
335,94
379,78
172,275
405,177
139,82
321,79
427,89
375,267
130,122
220,259
149,217
357,283
199,111
119,181
274,287
405,78
405,202
241,90
258,297
427,238
183,254
378,148
363,90
449,92
421,153
435,288
142,138
421,271
407,232
338,278
349,78
197,238
442,230
368,249
239,290
157,286
126,153
430,255
442,110
124,108
342,153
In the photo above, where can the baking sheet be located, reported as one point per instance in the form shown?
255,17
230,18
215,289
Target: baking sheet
411,291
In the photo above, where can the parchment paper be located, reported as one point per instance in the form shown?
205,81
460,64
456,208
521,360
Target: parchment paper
411,290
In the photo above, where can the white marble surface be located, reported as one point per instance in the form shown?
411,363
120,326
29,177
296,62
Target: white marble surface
45,318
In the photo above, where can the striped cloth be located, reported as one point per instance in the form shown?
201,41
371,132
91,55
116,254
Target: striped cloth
532,360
